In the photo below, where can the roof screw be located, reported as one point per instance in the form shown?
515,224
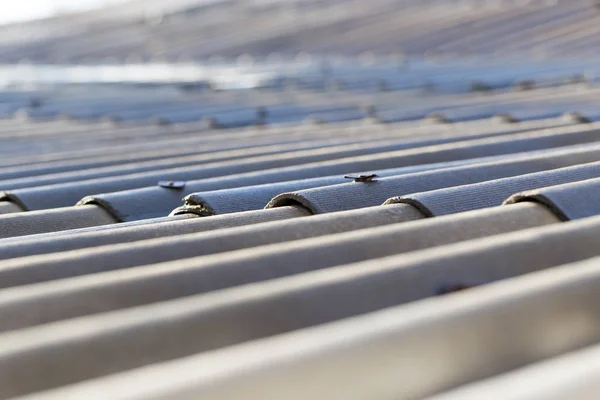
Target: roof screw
362,178
172,184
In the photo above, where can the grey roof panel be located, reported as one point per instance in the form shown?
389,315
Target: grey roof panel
250,197
29,223
88,261
569,201
43,303
209,141
246,198
57,230
131,232
8,207
492,193
135,204
357,195
78,172
99,228
61,195
448,333
261,302
198,151
277,156
255,197
569,376
83,339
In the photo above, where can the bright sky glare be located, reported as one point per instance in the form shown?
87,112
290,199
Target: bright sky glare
20,10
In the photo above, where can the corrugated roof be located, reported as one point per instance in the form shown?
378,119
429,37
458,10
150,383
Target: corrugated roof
336,230
281,28
246,273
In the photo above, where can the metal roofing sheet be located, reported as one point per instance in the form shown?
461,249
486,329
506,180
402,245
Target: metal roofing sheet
572,375
493,192
29,223
360,194
43,303
569,201
140,230
235,268
246,198
436,332
65,194
223,298
153,202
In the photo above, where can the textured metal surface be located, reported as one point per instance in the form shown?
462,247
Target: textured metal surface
30,223
131,232
357,195
437,331
301,199
569,201
45,303
572,376
493,192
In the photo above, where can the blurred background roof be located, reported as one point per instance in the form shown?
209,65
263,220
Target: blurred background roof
199,29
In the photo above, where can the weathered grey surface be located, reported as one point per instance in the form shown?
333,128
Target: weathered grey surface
131,232
34,269
129,337
448,333
249,197
279,303
492,193
288,168
36,304
196,153
570,376
60,219
151,202
8,207
246,198
569,201
357,194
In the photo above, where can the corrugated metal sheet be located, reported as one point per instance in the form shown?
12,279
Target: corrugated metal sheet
301,225
195,29
458,335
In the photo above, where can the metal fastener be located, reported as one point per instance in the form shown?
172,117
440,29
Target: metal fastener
172,184
362,178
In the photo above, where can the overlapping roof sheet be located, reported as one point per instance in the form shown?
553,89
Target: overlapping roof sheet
328,239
